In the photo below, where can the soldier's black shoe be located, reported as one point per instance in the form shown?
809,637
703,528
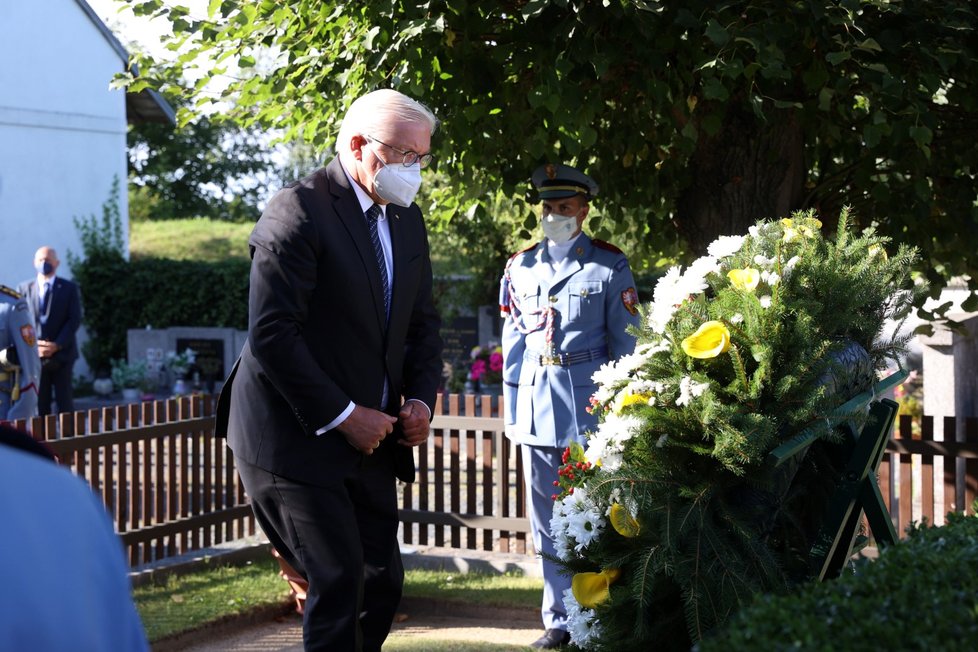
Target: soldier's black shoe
552,639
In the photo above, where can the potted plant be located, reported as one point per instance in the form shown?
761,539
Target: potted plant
179,365
486,369
130,377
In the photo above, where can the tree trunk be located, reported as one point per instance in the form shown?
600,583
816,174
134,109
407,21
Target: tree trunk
749,170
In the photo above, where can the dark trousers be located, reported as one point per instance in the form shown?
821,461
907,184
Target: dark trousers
343,539
56,376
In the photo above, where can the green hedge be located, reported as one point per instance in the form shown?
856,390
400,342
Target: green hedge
118,295
920,594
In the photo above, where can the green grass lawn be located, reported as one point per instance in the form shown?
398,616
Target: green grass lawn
189,239
185,602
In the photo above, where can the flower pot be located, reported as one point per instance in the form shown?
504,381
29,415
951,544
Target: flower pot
102,386
130,394
181,387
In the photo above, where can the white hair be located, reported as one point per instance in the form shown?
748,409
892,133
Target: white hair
378,113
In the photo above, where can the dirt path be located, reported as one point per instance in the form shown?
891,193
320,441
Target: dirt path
418,619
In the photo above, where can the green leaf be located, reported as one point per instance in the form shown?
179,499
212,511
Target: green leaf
872,134
533,8
714,89
825,99
922,136
835,58
870,45
716,32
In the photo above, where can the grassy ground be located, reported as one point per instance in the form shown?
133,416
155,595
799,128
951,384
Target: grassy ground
189,239
185,602
206,239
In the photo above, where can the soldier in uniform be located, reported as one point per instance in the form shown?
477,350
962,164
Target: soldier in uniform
20,366
567,302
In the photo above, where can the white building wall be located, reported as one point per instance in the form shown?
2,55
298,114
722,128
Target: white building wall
62,131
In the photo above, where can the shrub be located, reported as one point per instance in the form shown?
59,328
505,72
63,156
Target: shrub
118,295
921,594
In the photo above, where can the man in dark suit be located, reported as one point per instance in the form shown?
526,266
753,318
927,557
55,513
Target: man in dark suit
56,305
339,375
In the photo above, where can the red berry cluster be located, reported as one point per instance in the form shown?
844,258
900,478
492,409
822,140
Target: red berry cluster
573,472
594,407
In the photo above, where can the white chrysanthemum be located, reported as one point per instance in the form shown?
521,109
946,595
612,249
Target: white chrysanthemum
642,385
790,265
690,389
771,278
575,522
737,318
662,440
585,526
762,261
765,301
605,447
666,297
582,624
610,374
725,245
694,278
651,348
632,362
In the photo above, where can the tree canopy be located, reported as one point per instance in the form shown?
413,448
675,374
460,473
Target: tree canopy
697,118
204,167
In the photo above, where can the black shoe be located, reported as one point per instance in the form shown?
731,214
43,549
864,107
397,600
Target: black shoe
552,639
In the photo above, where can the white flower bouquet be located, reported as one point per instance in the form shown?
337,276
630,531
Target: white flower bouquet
668,519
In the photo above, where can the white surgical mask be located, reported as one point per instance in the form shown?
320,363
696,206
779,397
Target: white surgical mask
397,183
559,228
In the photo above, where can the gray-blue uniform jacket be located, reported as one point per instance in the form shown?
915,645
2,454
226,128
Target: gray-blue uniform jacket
20,366
560,326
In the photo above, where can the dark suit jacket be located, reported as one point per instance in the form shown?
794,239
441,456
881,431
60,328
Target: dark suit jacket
316,335
64,316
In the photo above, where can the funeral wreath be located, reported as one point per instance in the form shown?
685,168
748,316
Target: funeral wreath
667,519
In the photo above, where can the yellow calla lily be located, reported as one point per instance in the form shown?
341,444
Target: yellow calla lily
623,521
591,589
710,340
624,400
744,279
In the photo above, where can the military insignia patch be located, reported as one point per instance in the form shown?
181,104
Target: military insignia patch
629,298
27,332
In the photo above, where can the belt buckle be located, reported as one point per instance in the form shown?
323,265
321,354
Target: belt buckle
548,360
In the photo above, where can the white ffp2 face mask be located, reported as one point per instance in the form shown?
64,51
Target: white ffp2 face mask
397,183
559,228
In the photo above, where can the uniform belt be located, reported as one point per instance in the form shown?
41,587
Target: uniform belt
566,359
4,375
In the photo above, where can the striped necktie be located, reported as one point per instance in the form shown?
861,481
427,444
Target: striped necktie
373,213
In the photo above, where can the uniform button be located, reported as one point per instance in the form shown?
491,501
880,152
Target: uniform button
584,292
553,299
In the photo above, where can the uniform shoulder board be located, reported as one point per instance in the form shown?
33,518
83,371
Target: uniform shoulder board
520,252
607,246
10,292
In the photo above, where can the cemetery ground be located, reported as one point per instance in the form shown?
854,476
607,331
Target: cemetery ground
248,607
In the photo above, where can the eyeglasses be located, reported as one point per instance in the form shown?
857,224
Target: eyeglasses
410,157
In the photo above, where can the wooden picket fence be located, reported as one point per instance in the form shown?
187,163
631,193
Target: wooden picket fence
168,482
171,487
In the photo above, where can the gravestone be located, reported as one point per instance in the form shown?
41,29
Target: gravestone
208,358
216,350
459,336
950,360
